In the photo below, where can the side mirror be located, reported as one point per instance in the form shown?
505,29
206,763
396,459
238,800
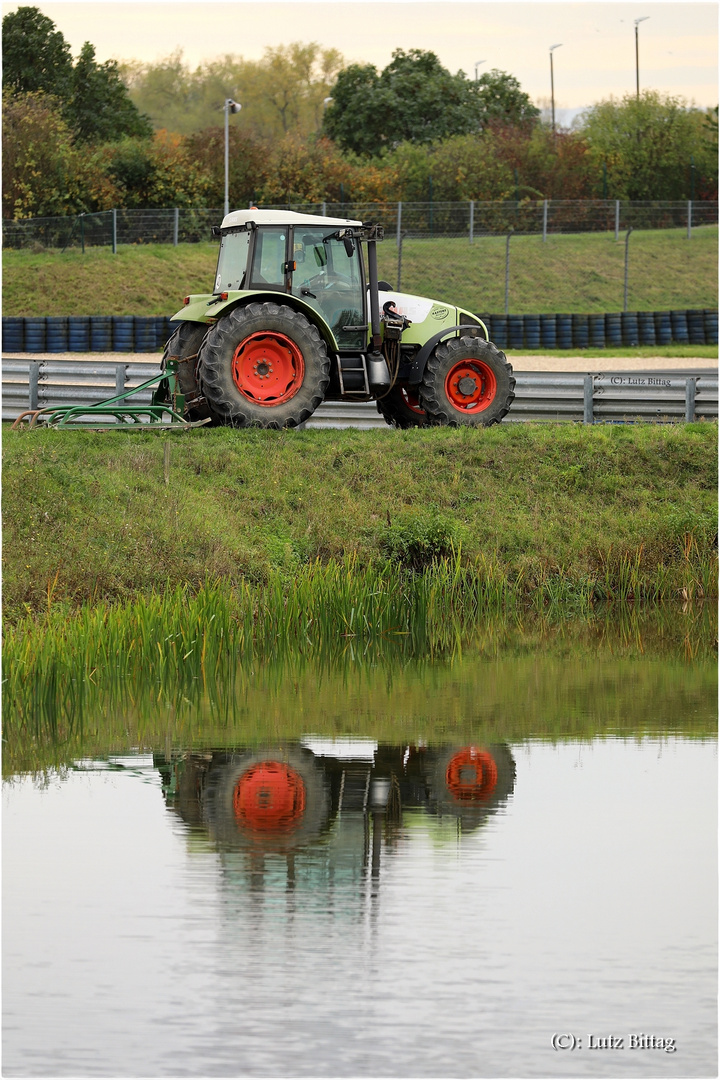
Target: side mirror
349,244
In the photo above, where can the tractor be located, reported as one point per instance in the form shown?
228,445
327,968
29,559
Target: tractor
292,322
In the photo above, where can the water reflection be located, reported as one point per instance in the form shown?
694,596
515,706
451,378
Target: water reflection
334,805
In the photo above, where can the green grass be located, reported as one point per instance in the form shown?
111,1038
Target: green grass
559,516
186,671
582,274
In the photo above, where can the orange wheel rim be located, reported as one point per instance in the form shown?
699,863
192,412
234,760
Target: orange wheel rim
269,796
471,775
471,386
412,401
268,368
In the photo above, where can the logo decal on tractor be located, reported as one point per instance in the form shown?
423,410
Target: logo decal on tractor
440,312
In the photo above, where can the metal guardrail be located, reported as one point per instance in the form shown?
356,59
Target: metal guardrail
570,397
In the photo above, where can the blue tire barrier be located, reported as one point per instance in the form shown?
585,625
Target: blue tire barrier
663,328
532,331
163,329
580,331
123,333
35,335
613,329
596,331
516,338
563,324
548,331
711,327
13,333
629,325
696,327
101,333
79,333
145,333
498,330
646,327
56,333
678,321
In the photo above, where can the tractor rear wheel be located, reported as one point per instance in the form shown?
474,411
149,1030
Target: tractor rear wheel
467,382
184,346
401,408
264,365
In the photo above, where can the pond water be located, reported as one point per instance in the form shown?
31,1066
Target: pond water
337,905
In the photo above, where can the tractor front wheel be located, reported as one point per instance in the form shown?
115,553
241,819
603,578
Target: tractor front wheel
467,382
264,365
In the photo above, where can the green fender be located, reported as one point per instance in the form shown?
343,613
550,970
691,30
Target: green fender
200,309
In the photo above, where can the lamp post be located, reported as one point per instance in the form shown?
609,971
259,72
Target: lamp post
637,56
552,84
477,65
230,106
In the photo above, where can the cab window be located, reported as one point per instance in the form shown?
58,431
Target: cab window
268,265
232,261
328,279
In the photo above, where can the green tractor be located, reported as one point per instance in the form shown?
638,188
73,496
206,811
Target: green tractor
291,323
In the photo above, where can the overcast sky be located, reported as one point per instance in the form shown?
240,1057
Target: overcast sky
678,42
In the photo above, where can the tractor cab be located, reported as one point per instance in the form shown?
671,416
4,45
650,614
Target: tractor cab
317,260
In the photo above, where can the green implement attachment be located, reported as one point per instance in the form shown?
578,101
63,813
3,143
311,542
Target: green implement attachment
116,413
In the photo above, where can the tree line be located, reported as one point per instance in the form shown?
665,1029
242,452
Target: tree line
79,136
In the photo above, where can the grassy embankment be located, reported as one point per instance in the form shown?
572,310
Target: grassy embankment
131,592
581,274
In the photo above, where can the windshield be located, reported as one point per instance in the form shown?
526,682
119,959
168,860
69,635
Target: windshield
329,279
232,261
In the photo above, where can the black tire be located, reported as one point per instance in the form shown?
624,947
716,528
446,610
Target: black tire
184,346
467,382
397,411
298,380
230,829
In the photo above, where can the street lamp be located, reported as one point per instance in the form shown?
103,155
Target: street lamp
477,65
552,84
230,106
637,55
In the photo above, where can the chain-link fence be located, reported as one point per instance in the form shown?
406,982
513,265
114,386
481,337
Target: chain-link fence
470,220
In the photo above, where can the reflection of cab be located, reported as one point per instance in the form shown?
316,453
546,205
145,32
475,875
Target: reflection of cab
282,799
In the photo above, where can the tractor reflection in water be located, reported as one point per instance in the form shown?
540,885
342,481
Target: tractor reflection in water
318,812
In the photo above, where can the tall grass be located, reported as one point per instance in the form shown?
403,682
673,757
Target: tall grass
181,648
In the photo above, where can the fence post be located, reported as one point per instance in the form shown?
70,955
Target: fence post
689,219
82,233
545,209
472,219
114,232
399,276
398,238
324,209
120,370
507,273
33,380
690,386
588,388
176,226
617,219
625,289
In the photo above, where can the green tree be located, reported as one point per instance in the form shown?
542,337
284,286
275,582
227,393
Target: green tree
39,167
503,101
99,108
36,56
647,144
414,99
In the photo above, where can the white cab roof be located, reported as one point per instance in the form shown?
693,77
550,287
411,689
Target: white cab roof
280,217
